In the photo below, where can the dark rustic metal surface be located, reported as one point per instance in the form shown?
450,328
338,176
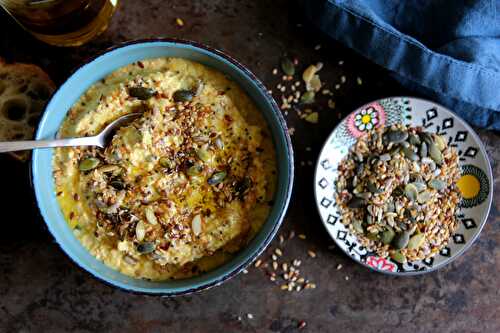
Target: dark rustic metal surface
42,290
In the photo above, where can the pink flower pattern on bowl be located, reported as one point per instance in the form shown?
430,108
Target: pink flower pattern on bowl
373,115
381,264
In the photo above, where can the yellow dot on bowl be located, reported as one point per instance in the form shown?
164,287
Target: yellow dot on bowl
366,119
469,186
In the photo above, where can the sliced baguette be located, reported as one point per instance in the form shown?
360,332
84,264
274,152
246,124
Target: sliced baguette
24,92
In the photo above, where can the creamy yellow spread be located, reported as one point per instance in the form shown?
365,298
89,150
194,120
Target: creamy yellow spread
182,187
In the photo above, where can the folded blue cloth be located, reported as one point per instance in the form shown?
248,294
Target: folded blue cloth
448,50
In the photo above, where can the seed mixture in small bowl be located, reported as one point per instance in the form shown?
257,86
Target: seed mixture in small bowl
397,192
403,186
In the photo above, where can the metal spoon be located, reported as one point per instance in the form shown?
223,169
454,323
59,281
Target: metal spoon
99,140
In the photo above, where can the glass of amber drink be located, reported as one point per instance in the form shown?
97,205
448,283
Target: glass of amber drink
62,22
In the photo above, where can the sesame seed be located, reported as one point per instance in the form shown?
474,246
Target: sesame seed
297,83
278,252
308,148
291,235
245,271
272,278
343,79
275,265
301,280
274,257
317,47
249,316
302,236
283,89
337,86
284,78
275,71
311,254
284,266
258,263
284,287
298,288
297,262
347,278
282,239
290,287
359,81
285,276
341,62
339,266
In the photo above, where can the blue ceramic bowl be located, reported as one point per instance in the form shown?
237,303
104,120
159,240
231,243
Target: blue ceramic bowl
97,69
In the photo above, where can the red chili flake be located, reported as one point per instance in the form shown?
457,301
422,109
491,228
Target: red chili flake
140,64
228,118
59,193
71,215
301,324
76,197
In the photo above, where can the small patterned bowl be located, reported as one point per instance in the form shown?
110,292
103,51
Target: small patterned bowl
103,65
475,184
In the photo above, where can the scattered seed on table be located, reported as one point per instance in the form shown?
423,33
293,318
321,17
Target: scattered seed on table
302,236
275,71
249,316
258,263
343,79
341,62
278,251
311,254
179,22
359,80
339,266
275,265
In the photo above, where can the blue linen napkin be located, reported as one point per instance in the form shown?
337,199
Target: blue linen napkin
448,50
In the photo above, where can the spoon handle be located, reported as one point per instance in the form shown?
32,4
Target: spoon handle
32,144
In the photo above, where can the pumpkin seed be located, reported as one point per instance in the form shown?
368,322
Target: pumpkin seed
166,163
307,97
398,257
437,184
420,185
423,150
426,137
194,170
423,197
411,192
385,157
183,95
416,241
117,184
440,142
141,93
357,226
203,154
396,136
401,240
373,188
140,231
288,67
150,215
435,153
405,144
217,178
410,154
414,139
356,203
88,164
388,235
146,247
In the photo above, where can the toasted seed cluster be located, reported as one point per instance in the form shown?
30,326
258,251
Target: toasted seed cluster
397,192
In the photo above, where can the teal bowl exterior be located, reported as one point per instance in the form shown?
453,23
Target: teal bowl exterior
97,69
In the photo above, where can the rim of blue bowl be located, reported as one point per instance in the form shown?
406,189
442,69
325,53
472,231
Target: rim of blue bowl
285,198
481,226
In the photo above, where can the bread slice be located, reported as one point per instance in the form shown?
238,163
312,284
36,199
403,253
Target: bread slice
24,92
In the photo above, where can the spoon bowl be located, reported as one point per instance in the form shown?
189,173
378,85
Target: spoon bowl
99,140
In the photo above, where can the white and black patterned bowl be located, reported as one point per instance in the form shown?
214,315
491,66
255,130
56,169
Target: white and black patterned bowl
475,184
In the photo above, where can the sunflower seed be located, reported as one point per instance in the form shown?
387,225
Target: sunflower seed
357,225
414,139
435,153
307,97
